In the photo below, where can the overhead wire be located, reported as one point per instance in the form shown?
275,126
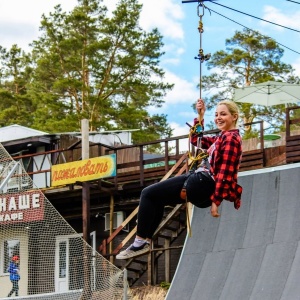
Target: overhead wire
255,17
212,1
253,30
293,1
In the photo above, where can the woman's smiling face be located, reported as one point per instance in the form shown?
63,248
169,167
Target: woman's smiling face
224,119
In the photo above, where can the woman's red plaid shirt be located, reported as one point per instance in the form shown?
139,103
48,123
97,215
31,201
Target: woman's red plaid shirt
225,153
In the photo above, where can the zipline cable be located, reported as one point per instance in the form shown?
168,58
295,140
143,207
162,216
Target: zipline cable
255,17
253,30
293,1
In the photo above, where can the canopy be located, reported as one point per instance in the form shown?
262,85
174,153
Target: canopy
268,93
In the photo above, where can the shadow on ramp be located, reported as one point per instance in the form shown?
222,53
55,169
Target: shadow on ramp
252,253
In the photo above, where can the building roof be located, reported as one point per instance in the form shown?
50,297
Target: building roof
15,132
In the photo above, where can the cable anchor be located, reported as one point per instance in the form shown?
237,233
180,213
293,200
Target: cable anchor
198,9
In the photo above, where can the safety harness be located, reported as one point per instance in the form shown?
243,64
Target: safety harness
196,161
199,161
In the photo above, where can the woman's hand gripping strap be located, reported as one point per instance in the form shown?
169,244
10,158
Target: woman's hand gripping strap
196,129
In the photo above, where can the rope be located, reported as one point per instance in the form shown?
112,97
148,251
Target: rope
201,56
196,129
188,221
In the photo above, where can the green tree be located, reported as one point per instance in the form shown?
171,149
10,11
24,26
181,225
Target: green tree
105,69
15,106
249,58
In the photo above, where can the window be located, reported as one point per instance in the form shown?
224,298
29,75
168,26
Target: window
119,217
62,260
10,248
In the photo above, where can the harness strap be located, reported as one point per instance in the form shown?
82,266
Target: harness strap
183,195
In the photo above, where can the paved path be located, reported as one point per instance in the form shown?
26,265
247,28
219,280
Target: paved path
252,253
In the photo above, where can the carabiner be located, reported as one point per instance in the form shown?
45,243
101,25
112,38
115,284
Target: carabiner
198,9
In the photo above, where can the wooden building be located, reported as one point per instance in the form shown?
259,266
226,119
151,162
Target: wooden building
113,201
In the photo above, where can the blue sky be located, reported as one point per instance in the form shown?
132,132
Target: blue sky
177,22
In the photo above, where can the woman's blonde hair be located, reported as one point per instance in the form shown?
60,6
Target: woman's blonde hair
232,107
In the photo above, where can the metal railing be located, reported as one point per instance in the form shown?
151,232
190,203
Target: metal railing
130,158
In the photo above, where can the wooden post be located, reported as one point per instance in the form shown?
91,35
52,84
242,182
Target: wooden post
85,185
167,261
142,176
111,224
87,253
166,156
150,268
287,124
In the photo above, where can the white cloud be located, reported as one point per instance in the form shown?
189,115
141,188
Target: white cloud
166,15
178,131
174,49
183,92
275,15
173,54
172,61
110,5
296,66
20,20
30,11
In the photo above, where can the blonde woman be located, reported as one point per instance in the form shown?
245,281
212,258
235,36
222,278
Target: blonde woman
225,153
215,178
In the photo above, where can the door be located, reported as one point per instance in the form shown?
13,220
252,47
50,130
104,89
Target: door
61,259
69,262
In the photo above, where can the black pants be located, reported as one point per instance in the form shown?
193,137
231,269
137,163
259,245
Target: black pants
155,197
15,288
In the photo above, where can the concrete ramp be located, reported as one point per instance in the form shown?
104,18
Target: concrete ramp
252,253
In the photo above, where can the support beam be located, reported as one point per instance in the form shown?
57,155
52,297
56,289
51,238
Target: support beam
11,172
85,185
87,257
167,261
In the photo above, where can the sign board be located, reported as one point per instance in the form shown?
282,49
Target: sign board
23,207
84,170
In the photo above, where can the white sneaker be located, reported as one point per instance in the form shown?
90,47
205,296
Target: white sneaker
132,251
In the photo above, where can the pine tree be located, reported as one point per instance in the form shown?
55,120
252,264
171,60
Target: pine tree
103,68
15,106
249,58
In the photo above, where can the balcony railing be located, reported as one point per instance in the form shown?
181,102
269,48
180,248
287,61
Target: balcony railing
136,162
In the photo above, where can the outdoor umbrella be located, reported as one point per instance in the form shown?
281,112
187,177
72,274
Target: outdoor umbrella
268,93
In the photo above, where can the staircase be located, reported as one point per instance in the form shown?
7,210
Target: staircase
169,230
171,227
